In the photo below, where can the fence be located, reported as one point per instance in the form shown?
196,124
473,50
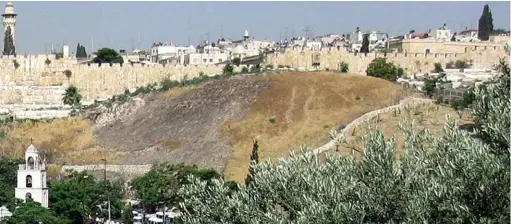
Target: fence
448,96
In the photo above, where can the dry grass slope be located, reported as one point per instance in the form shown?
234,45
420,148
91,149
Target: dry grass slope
432,117
305,107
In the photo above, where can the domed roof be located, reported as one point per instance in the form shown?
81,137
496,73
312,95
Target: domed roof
9,8
238,49
31,149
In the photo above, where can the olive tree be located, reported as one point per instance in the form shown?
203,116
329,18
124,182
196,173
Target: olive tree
456,178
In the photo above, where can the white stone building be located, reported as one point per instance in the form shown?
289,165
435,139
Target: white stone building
32,178
443,33
162,52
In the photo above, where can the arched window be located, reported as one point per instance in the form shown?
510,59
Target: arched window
28,197
29,181
30,163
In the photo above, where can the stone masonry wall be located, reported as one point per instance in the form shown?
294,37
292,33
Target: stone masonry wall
358,63
31,80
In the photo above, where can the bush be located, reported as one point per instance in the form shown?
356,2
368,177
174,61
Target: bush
380,68
228,69
450,65
236,61
462,64
438,68
430,83
400,72
273,119
344,67
16,64
48,61
244,70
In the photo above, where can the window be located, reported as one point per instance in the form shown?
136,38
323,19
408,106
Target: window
28,197
220,60
28,181
204,60
30,163
211,60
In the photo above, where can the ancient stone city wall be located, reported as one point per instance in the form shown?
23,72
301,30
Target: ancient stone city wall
35,81
358,63
32,80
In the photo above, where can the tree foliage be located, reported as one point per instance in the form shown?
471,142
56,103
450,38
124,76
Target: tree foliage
457,178
72,97
485,24
430,83
34,213
8,169
365,44
78,197
108,55
9,48
345,67
80,51
380,68
236,61
159,186
127,215
254,159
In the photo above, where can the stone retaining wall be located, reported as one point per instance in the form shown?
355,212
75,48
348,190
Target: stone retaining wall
360,120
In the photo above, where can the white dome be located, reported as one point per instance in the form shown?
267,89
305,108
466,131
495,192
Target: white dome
31,149
238,49
9,8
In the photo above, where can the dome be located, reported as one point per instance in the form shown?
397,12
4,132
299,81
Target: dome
31,149
238,49
9,8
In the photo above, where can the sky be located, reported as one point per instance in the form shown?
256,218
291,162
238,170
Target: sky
119,25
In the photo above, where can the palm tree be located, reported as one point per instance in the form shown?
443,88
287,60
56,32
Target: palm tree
72,97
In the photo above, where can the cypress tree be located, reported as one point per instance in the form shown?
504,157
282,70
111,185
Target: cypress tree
9,48
485,24
254,159
78,50
365,44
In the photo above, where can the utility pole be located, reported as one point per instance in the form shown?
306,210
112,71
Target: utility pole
222,31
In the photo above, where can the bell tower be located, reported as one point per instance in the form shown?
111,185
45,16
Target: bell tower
32,178
9,20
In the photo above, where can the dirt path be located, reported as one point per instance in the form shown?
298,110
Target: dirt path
306,112
292,105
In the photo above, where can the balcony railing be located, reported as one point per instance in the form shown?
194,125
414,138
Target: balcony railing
35,167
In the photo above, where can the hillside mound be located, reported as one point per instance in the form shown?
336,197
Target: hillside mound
214,125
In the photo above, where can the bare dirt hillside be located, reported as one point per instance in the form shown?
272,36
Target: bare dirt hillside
184,128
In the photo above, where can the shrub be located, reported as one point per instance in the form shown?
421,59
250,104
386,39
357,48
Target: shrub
228,69
236,61
201,73
380,68
273,119
344,67
16,64
450,65
438,68
462,64
400,72
430,83
244,70
48,61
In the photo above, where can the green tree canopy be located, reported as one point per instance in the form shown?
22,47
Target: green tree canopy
108,55
485,24
9,48
456,178
127,215
8,169
159,186
34,213
78,197
380,68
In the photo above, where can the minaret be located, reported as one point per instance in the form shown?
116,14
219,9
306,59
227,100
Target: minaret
32,178
246,36
9,20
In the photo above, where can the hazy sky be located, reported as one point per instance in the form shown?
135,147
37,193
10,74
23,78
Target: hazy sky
117,24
